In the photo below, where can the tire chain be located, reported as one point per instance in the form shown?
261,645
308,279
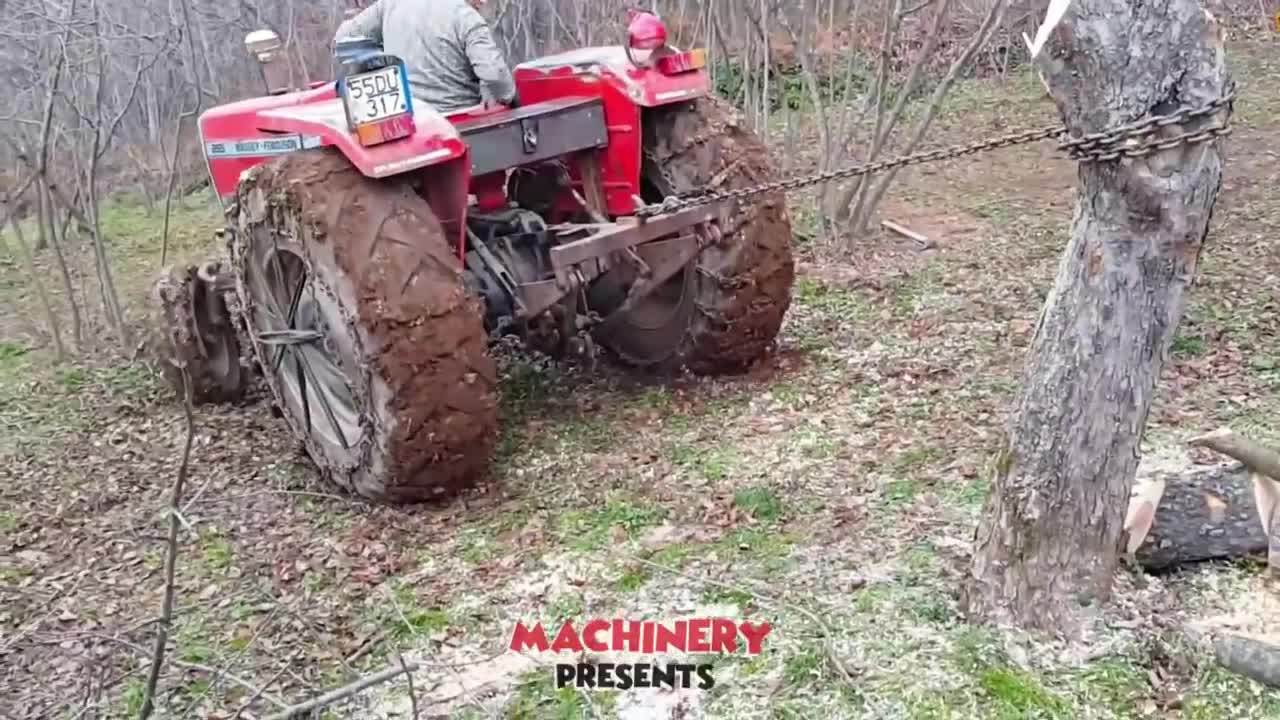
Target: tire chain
1105,145
239,262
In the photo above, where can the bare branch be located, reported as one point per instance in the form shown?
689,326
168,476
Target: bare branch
344,692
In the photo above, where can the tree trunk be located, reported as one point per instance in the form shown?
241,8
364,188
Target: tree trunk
1048,544
77,331
51,317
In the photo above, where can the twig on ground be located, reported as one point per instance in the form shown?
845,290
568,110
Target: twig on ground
197,666
343,692
822,626
456,676
924,242
369,644
171,556
253,698
413,694
231,660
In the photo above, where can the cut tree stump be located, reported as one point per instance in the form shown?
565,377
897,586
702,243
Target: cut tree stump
1203,514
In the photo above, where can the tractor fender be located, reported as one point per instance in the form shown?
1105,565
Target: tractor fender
645,87
434,139
240,135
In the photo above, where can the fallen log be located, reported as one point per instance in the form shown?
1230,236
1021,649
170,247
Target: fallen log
1201,514
1264,467
1249,657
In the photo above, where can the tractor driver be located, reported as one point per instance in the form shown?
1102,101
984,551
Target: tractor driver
452,60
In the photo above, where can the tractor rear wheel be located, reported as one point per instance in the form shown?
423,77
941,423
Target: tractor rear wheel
372,346
723,312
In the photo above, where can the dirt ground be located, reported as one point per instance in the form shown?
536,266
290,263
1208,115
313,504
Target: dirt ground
833,492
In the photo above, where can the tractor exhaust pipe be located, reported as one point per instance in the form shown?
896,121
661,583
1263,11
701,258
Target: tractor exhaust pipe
264,46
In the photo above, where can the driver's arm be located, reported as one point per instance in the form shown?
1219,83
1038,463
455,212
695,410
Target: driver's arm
486,59
366,24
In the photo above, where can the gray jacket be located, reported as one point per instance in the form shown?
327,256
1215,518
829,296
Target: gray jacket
446,47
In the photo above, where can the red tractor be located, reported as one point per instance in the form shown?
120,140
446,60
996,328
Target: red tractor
376,246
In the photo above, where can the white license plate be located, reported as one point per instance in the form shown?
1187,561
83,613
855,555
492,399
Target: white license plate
376,95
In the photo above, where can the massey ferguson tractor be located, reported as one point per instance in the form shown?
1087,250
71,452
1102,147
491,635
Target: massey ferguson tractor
377,247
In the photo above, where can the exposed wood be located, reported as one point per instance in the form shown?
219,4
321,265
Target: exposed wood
1257,457
1264,466
1050,538
1249,657
1203,514
908,233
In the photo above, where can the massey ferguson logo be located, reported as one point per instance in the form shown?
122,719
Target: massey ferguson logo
254,147
698,636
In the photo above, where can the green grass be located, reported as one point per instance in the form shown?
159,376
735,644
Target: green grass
569,606
1017,694
1114,684
761,503
587,530
631,579
677,555
1221,695
721,595
831,302
768,548
537,698
804,667
815,443
713,463
1188,347
914,459
218,554
900,492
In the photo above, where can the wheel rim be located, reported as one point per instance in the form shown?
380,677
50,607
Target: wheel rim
291,318
655,326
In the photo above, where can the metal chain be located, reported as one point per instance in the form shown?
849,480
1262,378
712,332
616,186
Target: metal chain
1105,145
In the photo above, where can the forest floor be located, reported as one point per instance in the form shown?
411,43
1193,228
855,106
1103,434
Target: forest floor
841,480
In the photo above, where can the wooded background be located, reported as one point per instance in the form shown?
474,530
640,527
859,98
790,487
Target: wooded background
101,97
123,70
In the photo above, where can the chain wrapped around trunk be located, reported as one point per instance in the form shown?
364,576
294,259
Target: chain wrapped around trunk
1129,140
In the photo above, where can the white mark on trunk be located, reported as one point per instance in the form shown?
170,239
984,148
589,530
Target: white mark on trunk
1053,16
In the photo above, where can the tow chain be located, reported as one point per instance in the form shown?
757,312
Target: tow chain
1102,146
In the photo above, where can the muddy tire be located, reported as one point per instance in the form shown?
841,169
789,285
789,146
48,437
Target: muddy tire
192,326
725,312
393,394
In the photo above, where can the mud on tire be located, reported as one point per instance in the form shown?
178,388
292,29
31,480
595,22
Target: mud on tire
403,338
192,325
741,287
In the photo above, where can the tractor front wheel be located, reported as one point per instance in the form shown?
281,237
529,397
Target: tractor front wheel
725,310
192,328
370,343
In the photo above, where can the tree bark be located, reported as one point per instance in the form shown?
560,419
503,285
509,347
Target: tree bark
1049,542
1250,657
1206,514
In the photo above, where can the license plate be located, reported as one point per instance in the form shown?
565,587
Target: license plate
376,96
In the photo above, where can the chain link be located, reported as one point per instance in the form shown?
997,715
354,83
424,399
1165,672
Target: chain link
1105,145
